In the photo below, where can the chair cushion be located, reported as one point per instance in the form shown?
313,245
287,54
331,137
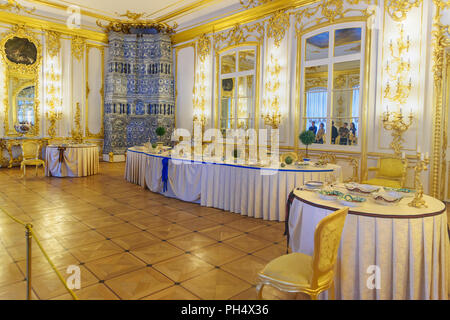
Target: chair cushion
33,162
391,168
384,183
295,268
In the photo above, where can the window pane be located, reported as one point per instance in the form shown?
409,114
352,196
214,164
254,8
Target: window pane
347,41
245,101
346,102
317,46
246,60
228,64
227,103
316,96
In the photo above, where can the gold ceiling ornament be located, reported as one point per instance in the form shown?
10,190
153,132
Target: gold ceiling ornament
277,25
329,11
239,34
77,48
136,21
398,9
441,40
12,5
203,47
253,3
53,43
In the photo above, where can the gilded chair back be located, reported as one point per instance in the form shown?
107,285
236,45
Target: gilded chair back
30,150
326,245
392,168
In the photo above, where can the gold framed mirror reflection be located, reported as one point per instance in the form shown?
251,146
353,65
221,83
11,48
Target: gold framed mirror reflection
21,54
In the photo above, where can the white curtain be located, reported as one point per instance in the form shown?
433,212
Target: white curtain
316,103
355,107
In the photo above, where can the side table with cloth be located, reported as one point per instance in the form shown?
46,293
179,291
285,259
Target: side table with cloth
409,245
77,160
232,187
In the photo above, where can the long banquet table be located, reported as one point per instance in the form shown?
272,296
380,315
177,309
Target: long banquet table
409,245
247,190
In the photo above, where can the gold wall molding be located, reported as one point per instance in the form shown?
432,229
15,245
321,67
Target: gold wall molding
441,40
12,5
77,133
53,43
252,3
88,133
277,25
398,9
242,17
77,47
40,24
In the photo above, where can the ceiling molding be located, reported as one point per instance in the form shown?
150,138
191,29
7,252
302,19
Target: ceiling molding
240,17
39,24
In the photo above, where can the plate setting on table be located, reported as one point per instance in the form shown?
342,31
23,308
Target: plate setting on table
390,198
349,200
313,185
329,194
361,189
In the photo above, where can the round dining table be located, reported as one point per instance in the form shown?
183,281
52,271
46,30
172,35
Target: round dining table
386,251
71,160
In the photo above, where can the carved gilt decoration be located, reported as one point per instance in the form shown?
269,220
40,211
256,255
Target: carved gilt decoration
277,26
239,34
78,45
53,43
398,9
136,21
203,47
253,3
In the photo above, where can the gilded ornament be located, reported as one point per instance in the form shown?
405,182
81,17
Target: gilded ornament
203,47
277,26
11,5
398,9
136,21
253,3
77,133
239,34
53,43
78,44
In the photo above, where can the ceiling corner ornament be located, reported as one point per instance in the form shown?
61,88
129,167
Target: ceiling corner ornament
398,9
53,43
441,40
135,21
203,47
78,44
12,5
253,3
277,25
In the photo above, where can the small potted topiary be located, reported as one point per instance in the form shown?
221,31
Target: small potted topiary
307,137
160,132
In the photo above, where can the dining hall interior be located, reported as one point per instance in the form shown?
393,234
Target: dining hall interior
224,150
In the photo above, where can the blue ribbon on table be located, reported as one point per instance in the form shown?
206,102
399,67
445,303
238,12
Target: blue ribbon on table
165,173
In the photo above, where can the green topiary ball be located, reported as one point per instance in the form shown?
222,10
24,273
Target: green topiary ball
160,131
288,160
307,137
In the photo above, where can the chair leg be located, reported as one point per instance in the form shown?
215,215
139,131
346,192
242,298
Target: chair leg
35,170
313,296
259,289
24,171
331,292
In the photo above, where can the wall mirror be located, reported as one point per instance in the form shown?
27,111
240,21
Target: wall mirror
21,55
332,65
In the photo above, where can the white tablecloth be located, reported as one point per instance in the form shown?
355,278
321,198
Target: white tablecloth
239,189
79,161
410,246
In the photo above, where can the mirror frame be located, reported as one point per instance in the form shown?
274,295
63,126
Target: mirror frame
25,74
